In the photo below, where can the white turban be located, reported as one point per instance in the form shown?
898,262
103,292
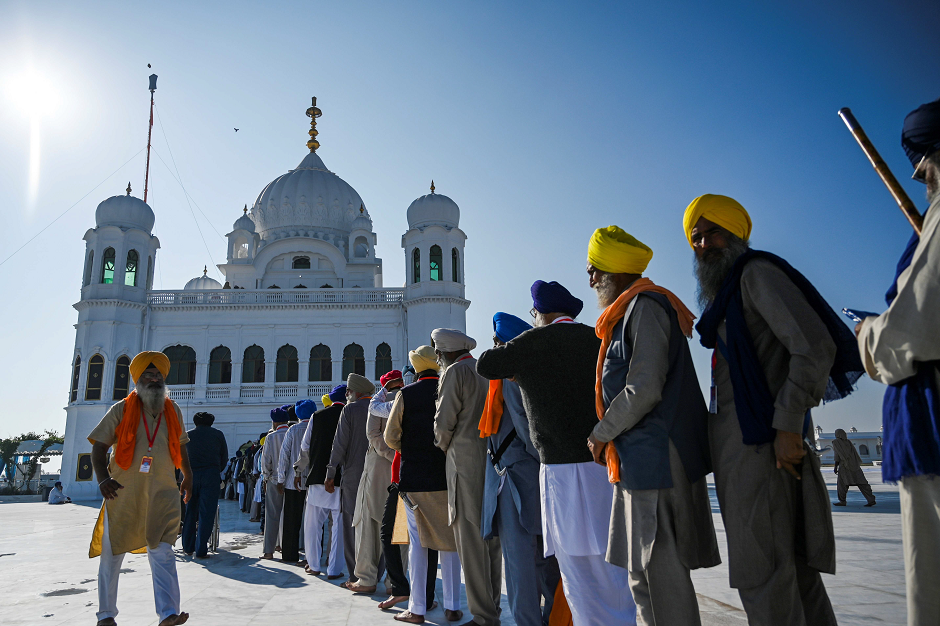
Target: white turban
451,340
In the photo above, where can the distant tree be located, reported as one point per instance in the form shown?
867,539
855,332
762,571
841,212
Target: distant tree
8,449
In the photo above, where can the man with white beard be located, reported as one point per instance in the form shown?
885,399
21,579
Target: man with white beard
141,509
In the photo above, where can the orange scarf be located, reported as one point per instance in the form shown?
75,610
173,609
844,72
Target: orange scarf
126,433
493,410
605,329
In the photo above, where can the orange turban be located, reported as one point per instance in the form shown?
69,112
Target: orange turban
143,360
722,210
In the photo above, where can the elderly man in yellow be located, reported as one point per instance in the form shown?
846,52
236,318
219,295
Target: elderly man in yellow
141,509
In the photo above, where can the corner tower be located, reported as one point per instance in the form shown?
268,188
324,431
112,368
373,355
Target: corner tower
435,293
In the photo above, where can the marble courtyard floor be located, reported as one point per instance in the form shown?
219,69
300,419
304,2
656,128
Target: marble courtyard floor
49,579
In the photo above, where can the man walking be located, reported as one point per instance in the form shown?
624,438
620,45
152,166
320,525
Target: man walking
208,453
901,348
848,466
653,433
141,508
779,349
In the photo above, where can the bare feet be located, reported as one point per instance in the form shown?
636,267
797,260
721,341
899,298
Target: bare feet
391,601
409,618
267,556
358,589
175,620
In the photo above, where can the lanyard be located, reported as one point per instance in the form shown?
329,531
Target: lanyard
563,320
464,358
150,439
430,378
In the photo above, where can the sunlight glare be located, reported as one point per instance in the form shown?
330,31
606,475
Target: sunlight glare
32,93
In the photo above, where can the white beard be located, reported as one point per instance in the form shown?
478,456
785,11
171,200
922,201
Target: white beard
153,396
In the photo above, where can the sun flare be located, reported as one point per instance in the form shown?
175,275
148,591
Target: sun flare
32,93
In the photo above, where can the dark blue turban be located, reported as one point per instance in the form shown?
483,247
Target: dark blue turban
338,394
921,133
554,298
507,327
279,414
305,408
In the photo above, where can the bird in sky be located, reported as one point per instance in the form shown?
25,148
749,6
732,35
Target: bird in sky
236,130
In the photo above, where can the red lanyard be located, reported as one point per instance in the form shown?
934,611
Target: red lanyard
563,320
150,439
464,358
430,378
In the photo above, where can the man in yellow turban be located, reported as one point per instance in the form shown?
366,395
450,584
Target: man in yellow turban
141,509
778,350
652,415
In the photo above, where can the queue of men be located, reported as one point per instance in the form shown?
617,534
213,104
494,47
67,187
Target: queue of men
577,456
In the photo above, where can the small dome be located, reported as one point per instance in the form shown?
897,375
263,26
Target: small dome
202,283
362,221
125,212
433,209
244,222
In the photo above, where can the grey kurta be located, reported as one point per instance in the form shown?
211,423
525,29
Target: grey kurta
377,471
634,516
349,450
759,502
850,464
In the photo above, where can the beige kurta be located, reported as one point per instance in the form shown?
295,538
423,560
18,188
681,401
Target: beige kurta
461,398
146,511
377,471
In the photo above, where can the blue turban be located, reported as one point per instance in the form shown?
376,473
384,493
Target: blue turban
554,298
507,327
305,408
279,414
921,133
338,393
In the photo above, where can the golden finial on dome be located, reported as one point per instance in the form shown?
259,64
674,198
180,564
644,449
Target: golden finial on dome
432,186
362,208
205,270
245,210
128,187
313,113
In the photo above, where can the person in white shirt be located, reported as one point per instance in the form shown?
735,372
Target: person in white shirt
273,499
56,496
294,497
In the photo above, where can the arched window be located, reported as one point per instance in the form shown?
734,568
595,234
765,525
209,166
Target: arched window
383,360
361,247
286,370
76,372
130,270
253,365
107,266
321,363
301,263
122,377
95,374
89,269
220,366
454,265
863,450
416,266
182,365
436,257
354,360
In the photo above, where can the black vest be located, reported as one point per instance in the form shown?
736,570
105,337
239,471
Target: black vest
422,463
681,416
323,429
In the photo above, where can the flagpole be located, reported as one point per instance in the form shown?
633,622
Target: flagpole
153,87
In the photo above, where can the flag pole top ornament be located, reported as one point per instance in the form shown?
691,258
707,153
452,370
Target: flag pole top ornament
313,113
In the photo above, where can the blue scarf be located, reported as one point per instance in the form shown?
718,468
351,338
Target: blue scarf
753,401
911,410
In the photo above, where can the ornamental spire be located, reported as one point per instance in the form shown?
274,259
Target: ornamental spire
128,188
313,113
432,186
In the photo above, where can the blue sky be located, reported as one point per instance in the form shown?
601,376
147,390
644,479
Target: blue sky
543,121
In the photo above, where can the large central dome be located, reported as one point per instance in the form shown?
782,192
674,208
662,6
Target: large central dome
308,198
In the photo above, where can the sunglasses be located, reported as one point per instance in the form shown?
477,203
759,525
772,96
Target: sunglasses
920,172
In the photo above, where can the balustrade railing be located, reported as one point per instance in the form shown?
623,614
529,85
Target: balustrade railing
216,393
225,297
251,391
181,393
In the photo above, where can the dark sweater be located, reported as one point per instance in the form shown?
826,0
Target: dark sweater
207,449
323,429
555,368
423,465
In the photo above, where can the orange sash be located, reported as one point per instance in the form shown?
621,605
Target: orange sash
605,328
561,612
493,410
126,433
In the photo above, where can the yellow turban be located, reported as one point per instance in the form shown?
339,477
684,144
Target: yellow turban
143,360
326,400
722,210
616,251
423,358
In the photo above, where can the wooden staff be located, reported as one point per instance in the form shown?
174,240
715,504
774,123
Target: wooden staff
900,196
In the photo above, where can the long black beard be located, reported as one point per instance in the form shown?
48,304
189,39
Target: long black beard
712,269
153,397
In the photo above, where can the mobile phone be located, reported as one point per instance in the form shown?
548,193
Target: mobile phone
858,316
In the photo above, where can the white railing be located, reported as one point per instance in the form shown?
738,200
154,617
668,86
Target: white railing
316,390
185,393
216,393
251,391
225,297
285,391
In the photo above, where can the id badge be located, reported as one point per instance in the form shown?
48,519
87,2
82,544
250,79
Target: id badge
145,464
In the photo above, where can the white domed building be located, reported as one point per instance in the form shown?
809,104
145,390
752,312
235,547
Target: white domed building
302,306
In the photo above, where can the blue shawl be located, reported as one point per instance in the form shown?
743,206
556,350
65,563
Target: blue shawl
911,410
753,401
